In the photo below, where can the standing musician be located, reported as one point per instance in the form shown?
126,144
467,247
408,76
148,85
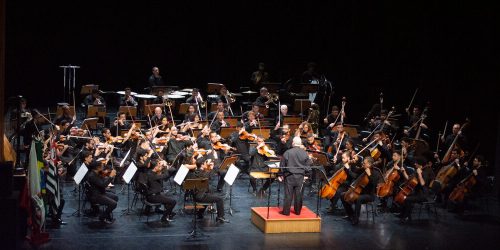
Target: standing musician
155,79
260,76
120,124
155,177
455,132
419,191
368,192
295,166
98,194
219,123
201,169
128,99
94,99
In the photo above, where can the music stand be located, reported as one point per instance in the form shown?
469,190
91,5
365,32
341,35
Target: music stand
130,111
87,89
214,87
226,165
194,185
300,105
320,174
80,174
225,132
59,110
127,177
183,108
90,123
321,157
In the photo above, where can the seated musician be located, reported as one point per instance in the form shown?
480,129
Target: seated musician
280,117
193,122
310,143
98,194
190,112
223,95
257,164
120,124
461,141
283,139
157,117
260,76
195,97
219,123
368,192
252,123
94,99
155,177
476,171
263,98
159,97
242,147
443,190
333,117
412,123
203,139
419,193
65,116
255,110
221,107
348,168
304,130
336,139
217,155
408,150
201,168
128,99
175,144
395,164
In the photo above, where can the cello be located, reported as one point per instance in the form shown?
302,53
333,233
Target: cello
406,189
390,179
356,188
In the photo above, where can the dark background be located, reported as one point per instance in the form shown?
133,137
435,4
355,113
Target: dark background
447,49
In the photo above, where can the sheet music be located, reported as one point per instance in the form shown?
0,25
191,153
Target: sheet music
231,174
125,158
80,174
127,176
181,174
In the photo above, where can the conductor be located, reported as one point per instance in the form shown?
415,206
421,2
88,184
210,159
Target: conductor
295,166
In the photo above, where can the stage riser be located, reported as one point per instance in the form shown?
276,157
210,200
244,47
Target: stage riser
312,225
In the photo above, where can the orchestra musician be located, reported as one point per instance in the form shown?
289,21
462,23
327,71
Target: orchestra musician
283,139
94,99
128,99
304,130
155,177
219,123
120,124
419,191
155,79
221,107
461,141
280,117
255,110
195,97
257,163
241,143
336,138
157,118
295,166
263,98
351,171
217,154
159,97
252,123
64,116
368,192
260,76
98,194
475,176
192,109
175,144
201,168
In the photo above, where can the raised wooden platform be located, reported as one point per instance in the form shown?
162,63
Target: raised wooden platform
306,222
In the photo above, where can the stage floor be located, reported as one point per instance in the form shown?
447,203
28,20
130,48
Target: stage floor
478,230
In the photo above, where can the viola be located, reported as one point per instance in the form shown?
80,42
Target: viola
221,146
265,150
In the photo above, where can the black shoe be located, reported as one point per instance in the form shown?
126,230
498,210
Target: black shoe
347,217
108,220
222,220
171,215
199,216
166,219
355,221
282,213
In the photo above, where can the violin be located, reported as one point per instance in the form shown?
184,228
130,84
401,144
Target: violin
266,151
244,135
221,146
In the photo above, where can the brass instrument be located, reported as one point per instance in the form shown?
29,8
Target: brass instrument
168,103
272,98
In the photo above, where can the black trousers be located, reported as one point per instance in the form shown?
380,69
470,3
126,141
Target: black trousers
168,203
363,198
108,199
221,182
342,188
409,201
293,191
209,198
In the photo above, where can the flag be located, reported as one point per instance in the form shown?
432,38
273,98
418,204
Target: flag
35,165
52,178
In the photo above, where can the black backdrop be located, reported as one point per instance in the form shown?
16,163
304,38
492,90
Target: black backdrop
448,50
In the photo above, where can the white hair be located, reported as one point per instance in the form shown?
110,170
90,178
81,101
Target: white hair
297,141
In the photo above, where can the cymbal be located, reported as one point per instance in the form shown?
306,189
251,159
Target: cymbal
187,90
145,96
249,92
123,93
236,94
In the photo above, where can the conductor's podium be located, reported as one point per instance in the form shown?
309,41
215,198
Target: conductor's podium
306,222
